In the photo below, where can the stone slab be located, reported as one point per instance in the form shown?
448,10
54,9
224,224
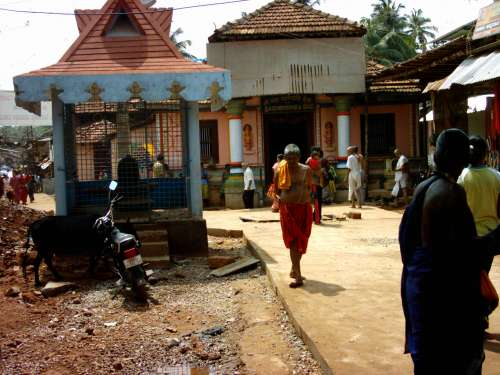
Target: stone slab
235,267
53,288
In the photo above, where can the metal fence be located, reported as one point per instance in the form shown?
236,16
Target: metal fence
140,145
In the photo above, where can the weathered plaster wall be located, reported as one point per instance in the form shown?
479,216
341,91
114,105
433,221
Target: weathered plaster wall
292,66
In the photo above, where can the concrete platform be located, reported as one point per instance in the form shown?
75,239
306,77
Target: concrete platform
349,310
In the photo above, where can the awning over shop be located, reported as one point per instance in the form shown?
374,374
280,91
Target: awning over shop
474,70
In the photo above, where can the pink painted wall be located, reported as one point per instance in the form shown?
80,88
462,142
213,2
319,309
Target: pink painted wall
403,114
251,154
222,132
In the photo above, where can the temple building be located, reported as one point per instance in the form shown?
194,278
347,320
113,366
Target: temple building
299,76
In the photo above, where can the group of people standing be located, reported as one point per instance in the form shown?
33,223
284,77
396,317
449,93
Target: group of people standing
19,187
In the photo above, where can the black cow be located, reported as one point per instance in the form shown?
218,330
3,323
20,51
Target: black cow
63,235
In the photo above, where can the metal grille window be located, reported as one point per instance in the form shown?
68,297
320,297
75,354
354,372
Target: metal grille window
123,142
209,144
381,134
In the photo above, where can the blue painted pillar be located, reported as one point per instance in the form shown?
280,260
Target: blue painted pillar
193,125
59,162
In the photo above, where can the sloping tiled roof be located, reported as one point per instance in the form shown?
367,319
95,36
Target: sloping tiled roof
162,15
282,19
151,51
95,132
408,86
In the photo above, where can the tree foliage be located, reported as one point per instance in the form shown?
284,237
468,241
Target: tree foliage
181,45
393,36
308,2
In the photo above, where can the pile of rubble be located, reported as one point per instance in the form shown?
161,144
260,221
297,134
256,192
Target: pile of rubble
14,223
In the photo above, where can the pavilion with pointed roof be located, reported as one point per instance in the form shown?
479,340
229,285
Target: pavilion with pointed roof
123,73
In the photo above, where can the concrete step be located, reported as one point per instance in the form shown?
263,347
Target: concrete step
152,235
158,261
154,249
379,193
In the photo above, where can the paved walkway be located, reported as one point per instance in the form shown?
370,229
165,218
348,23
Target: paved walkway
349,311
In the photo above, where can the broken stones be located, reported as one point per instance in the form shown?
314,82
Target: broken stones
53,288
118,366
184,347
215,331
354,215
218,261
13,291
171,329
172,342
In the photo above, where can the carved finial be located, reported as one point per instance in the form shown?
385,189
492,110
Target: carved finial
175,90
95,92
135,89
216,100
53,92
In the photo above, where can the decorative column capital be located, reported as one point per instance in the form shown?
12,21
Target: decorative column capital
235,108
343,103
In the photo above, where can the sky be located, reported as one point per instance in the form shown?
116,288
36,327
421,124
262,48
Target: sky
30,41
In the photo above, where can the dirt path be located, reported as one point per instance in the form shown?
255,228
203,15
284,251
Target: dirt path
43,202
99,330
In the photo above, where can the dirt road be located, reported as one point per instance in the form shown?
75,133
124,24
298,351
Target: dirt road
232,325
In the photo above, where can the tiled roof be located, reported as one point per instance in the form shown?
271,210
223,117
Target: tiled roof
408,86
373,68
162,15
95,132
150,51
282,19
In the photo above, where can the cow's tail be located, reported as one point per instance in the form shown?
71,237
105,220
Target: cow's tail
24,263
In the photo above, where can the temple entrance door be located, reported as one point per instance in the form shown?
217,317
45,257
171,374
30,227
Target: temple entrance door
285,128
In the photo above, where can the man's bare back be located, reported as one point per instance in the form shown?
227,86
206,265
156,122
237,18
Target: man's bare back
300,190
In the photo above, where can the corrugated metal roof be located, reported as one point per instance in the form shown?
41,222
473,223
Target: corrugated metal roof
474,70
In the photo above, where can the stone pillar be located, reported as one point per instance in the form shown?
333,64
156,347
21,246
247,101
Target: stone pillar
193,135
122,130
343,109
233,188
59,161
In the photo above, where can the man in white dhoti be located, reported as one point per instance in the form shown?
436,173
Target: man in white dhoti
354,176
401,176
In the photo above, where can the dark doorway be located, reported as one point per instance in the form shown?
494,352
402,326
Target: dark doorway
285,128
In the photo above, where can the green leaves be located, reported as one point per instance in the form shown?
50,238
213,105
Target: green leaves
393,37
181,45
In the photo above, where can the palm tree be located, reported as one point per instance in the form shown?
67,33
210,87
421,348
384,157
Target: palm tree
310,3
420,28
181,45
388,14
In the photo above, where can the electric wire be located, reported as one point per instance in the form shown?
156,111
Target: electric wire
120,13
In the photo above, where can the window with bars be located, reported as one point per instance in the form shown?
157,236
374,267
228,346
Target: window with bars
209,143
381,134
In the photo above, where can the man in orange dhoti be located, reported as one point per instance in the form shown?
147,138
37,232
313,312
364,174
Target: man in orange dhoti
293,181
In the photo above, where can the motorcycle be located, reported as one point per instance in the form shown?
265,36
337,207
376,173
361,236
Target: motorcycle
123,248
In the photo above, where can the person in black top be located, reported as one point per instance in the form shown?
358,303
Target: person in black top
442,259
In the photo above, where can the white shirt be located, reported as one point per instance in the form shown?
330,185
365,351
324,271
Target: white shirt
353,164
249,179
398,175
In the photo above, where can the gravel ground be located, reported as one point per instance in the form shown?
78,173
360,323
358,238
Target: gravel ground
191,321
